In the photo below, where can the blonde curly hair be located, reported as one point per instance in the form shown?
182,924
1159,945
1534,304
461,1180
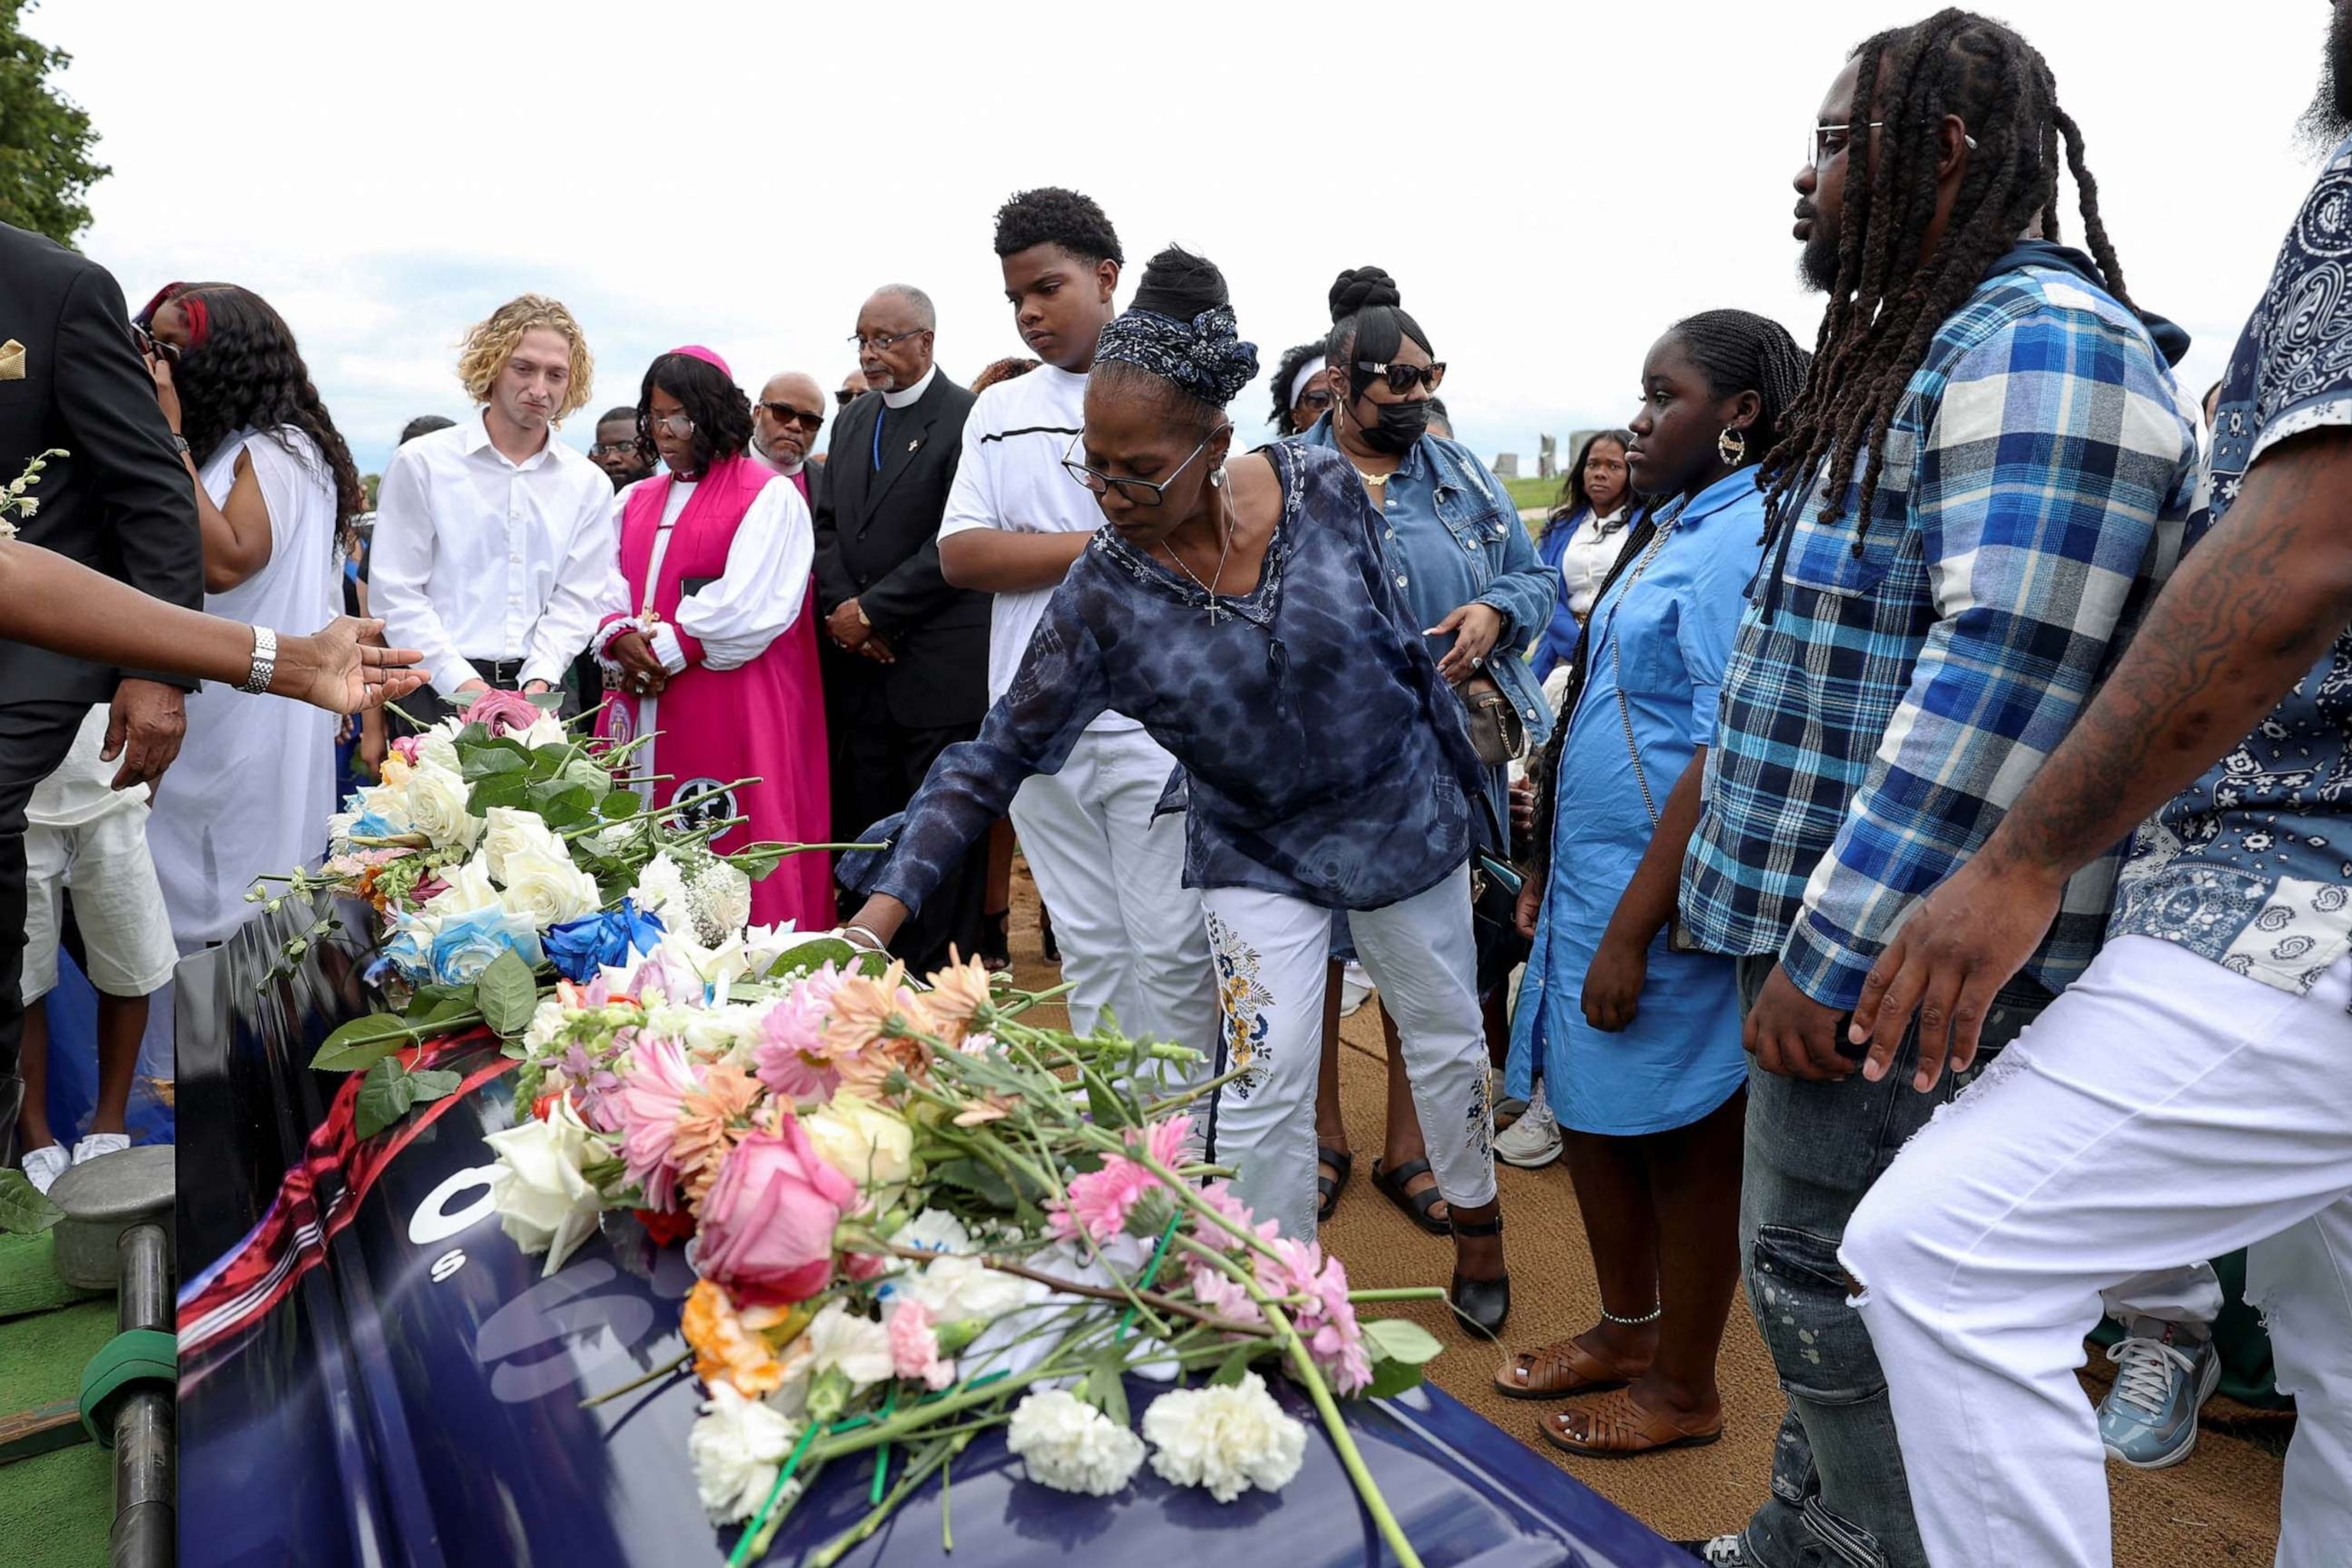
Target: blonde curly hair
492,342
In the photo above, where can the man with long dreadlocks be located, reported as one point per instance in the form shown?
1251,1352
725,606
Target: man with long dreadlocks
1978,493
2189,1095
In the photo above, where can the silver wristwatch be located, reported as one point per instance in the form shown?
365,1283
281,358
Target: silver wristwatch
265,662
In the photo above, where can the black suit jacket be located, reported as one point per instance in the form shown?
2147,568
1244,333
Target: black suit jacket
118,501
877,542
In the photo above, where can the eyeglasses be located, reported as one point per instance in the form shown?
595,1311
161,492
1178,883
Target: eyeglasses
1139,492
1826,142
1403,377
1319,400
152,346
615,450
676,427
877,344
785,414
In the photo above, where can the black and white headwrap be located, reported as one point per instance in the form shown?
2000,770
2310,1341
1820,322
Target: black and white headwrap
1205,356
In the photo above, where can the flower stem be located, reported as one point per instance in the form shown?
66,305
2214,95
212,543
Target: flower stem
833,1550
1342,1439
1403,1293
636,1382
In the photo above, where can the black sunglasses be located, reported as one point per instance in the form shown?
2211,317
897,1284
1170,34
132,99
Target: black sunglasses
843,396
1401,377
785,414
152,346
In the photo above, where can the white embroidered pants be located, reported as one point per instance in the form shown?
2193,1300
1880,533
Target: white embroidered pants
1130,930
1271,955
2162,1109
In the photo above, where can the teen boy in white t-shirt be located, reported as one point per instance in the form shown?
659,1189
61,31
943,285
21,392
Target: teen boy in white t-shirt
1131,934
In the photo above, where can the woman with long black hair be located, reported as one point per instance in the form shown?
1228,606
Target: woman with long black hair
1246,613
276,493
1581,540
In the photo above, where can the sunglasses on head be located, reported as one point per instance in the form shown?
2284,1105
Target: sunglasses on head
1401,377
785,414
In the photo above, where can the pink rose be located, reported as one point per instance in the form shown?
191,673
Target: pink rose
768,1222
504,712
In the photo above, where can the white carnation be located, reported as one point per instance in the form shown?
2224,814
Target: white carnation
661,887
1227,1439
956,1286
546,1024
737,1445
859,1347
542,1200
1071,1447
720,898
436,797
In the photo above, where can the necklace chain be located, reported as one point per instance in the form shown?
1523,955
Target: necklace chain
1209,587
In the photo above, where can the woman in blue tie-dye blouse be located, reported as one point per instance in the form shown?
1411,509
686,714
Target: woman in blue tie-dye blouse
1245,613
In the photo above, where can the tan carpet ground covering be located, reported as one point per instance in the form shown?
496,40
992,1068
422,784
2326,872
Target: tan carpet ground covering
2220,1506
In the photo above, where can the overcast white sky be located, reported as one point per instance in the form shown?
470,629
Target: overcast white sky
1551,186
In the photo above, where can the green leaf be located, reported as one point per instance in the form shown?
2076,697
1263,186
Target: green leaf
477,735
971,1176
429,997
1400,1339
507,994
434,1083
1107,1108
755,865
502,789
476,764
546,701
363,1042
1390,1378
24,1209
873,965
1106,1384
1230,1369
619,805
808,956
385,1097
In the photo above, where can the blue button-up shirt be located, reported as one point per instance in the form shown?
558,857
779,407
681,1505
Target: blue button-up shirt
1882,709
1326,757
2251,864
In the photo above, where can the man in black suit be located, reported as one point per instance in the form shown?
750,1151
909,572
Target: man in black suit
118,501
905,655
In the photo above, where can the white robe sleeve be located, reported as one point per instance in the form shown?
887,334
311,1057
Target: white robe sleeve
759,596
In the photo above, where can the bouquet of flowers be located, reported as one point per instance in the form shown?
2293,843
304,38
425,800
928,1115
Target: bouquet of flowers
500,852
915,1217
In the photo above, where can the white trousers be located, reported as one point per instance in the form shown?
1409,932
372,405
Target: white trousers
2163,1108
1130,930
1272,954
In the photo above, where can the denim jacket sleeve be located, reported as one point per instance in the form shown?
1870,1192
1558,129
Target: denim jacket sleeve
1061,688
1519,586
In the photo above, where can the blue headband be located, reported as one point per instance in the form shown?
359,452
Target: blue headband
1204,356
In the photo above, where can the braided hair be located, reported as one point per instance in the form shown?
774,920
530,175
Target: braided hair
1293,360
1739,351
1888,301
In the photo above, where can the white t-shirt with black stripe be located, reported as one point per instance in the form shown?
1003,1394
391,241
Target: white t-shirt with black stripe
1011,476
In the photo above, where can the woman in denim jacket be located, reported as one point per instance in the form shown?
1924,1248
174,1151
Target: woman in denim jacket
1463,563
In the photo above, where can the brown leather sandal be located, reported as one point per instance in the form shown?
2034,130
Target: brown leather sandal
1617,1428
1560,1370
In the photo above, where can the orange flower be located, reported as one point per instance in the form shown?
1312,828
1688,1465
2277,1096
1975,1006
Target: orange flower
707,1126
728,1344
989,1107
960,991
866,1010
866,1074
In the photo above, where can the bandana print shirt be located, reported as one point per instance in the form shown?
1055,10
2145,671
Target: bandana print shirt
2252,866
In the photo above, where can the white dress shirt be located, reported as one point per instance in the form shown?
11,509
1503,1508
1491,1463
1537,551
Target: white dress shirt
908,396
478,558
756,599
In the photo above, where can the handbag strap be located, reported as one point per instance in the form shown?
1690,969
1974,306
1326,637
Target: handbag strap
1617,664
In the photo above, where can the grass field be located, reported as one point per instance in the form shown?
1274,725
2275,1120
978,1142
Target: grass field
1533,492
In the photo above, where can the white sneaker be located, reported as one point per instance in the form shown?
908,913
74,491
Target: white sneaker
98,1143
1533,1141
1355,988
45,1165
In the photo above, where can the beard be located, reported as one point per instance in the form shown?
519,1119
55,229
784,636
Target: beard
2328,119
1817,264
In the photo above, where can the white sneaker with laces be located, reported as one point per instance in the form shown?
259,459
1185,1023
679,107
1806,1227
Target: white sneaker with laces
45,1165
1533,1141
98,1143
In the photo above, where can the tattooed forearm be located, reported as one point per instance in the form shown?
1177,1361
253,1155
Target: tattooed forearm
2249,612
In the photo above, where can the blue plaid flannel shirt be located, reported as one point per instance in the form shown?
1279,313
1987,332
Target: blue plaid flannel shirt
1881,709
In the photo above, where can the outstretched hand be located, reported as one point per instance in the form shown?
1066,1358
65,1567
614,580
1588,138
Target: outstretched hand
1948,961
344,668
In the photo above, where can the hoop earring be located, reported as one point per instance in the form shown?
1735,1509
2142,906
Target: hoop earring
1732,447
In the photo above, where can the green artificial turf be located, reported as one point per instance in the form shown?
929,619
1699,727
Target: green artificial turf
41,1356
28,1276
56,1509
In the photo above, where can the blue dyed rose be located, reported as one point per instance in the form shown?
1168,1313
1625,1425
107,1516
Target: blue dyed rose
410,952
469,942
580,948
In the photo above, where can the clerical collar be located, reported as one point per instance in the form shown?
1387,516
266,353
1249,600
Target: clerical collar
907,396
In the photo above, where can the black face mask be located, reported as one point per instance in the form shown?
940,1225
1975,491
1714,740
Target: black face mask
1400,425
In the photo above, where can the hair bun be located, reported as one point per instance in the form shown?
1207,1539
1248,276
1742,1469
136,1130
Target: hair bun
1179,284
1360,288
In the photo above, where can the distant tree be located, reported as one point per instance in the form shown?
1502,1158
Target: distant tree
45,138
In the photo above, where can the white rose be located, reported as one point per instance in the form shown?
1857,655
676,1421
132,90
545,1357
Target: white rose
661,887
545,731
1227,1439
737,1445
388,806
437,806
547,889
438,745
1072,1446
858,1347
541,1198
470,889
956,1288
864,1143
512,831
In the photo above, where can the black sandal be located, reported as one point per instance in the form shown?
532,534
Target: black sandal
1483,1304
1417,1207
1327,1188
